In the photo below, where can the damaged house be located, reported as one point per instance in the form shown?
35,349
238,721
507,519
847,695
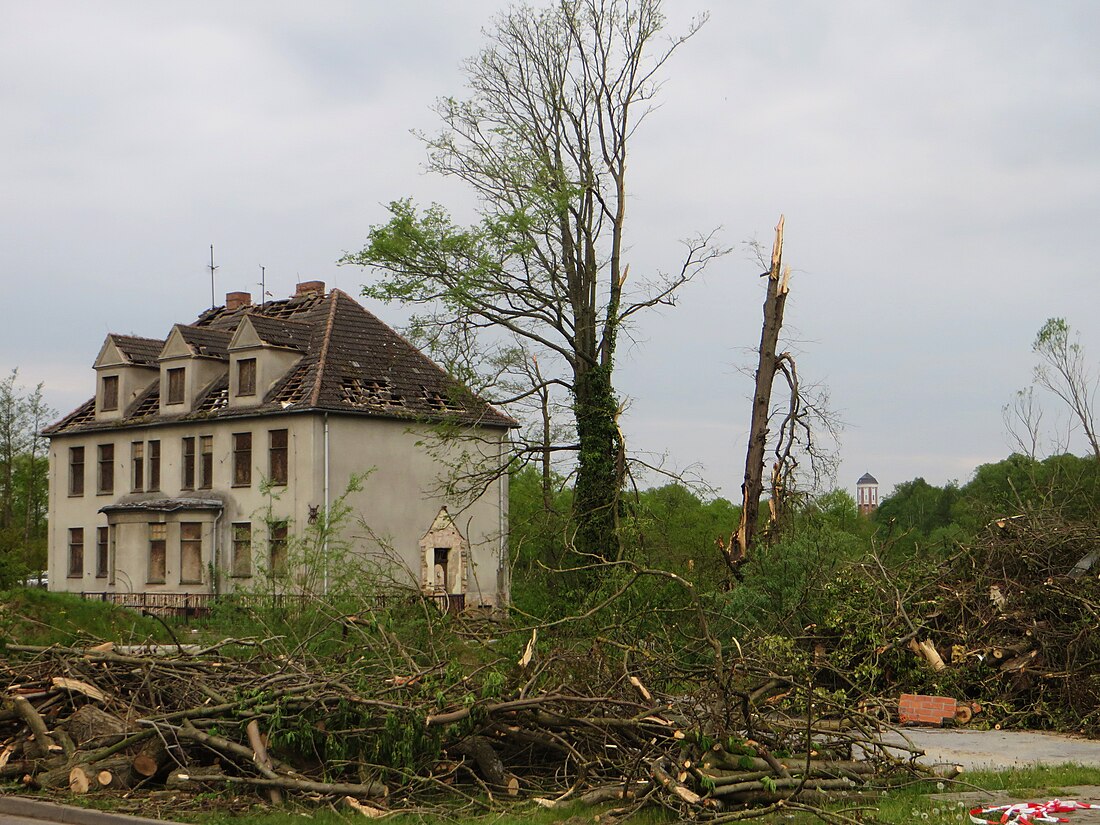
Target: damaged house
204,454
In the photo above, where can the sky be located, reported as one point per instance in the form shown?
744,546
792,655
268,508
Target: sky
938,164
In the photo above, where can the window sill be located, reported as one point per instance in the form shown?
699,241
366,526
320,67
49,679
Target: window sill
242,486
240,575
75,576
76,495
103,493
185,581
154,581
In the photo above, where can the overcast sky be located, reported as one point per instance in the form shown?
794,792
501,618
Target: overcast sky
938,163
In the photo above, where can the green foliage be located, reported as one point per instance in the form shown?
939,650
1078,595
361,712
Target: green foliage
23,480
38,617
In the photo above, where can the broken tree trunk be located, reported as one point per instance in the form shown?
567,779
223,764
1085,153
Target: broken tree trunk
736,553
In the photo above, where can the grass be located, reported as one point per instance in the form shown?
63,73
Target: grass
31,616
912,804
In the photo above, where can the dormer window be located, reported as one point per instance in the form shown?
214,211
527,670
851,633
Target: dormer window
246,376
110,392
175,385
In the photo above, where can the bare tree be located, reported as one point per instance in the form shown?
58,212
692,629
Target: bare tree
555,101
1064,371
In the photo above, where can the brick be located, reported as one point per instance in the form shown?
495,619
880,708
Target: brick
915,708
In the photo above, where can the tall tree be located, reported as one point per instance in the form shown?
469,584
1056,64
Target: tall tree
555,100
23,414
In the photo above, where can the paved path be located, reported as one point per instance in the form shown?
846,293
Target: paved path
999,750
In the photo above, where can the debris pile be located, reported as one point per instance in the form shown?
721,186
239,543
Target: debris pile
395,731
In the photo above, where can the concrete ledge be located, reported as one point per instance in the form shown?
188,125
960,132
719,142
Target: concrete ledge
53,812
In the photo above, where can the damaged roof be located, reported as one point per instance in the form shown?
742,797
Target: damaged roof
351,362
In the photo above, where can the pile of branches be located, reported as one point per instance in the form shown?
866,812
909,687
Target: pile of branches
1007,623
384,725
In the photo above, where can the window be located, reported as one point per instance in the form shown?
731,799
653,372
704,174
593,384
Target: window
76,471
190,552
175,385
206,462
246,376
106,468
242,459
188,451
137,465
158,534
154,466
242,549
76,552
110,392
277,454
278,539
101,536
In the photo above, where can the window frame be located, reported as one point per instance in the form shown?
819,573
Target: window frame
242,459
109,399
76,471
187,462
246,377
158,544
241,563
137,466
177,383
191,544
105,475
278,545
206,462
152,457
102,545
274,454
76,553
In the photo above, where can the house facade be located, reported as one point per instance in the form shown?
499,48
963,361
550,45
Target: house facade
206,456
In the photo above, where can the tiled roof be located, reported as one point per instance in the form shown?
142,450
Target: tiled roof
351,362
280,332
866,478
213,343
141,351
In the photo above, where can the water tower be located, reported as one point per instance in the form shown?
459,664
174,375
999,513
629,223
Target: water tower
867,494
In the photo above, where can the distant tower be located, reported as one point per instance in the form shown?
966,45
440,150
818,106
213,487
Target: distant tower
867,494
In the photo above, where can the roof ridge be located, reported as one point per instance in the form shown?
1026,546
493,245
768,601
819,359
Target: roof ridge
326,341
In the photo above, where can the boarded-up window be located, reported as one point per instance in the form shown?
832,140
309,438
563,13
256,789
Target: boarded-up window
190,552
110,392
175,385
76,471
242,459
154,465
187,482
76,552
158,536
278,457
206,462
106,468
137,466
246,376
101,535
278,533
242,549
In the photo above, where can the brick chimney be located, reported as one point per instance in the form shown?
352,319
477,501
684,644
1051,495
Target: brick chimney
236,300
309,287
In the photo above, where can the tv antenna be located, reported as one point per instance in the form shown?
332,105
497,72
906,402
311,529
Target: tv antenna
263,284
212,269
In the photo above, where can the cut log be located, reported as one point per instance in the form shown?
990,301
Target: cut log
91,723
80,780
489,766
